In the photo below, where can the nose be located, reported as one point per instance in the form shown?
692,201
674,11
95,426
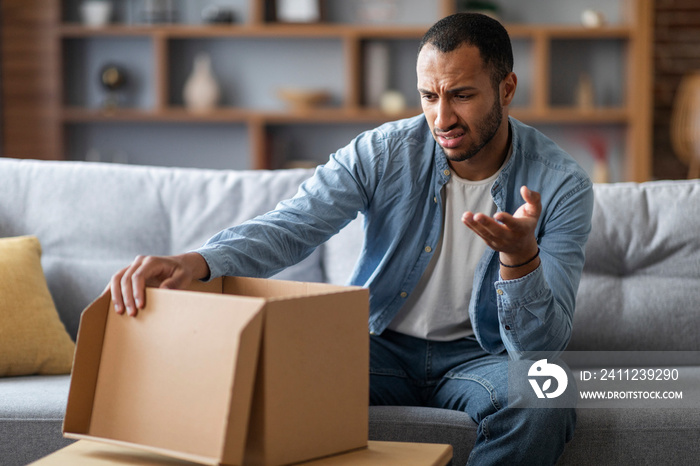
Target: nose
445,116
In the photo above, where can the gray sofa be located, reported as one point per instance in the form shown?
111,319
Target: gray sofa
640,289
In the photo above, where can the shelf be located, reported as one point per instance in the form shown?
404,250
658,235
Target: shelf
325,115
556,31
232,115
335,116
551,31
82,115
255,58
267,30
572,115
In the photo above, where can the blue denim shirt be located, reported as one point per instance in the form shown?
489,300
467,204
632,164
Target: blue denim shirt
394,175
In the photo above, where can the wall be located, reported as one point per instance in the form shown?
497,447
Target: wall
676,52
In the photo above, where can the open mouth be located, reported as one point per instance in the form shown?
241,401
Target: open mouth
450,139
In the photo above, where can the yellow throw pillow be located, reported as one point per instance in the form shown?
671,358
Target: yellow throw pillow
33,340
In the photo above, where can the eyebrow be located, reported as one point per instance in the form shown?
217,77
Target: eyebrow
456,90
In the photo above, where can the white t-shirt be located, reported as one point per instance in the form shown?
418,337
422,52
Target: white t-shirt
438,308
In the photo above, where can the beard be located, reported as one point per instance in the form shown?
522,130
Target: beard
484,130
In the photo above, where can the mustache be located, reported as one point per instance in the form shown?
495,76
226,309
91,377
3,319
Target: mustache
437,131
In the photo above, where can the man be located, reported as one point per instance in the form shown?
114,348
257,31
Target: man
453,294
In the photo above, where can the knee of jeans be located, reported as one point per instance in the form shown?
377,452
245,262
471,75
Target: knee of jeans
469,393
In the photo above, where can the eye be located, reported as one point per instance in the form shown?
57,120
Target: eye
428,97
463,97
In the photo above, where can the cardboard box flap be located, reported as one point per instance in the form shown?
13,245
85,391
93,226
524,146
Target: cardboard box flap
215,285
86,364
170,371
279,289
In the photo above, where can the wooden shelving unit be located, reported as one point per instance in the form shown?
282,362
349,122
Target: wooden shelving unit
633,114
351,110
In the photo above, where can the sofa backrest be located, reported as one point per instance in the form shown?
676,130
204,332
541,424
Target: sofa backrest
640,289
92,219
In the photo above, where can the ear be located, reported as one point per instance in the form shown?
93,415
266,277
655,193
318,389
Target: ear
507,88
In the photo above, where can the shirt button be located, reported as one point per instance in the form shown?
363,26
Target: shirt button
428,249
500,292
446,172
435,199
403,294
507,327
372,333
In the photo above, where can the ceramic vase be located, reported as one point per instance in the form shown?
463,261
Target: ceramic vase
201,91
377,55
585,93
96,13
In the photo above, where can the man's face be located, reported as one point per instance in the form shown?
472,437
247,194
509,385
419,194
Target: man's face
459,101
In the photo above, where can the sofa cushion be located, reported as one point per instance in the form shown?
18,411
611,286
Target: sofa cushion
640,287
424,425
31,417
611,436
33,340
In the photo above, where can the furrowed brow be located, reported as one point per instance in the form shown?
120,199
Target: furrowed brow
458,90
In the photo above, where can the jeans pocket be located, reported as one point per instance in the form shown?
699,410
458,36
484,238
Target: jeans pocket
389,372
481,382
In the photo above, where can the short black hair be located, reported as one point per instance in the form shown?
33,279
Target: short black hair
478,30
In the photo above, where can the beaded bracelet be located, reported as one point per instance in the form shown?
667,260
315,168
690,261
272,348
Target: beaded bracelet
519,265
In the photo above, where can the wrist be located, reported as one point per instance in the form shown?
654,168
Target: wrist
514,266
512,263
196,264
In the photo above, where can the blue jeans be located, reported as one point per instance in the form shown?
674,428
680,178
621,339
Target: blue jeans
460,375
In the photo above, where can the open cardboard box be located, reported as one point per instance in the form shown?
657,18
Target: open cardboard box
250,371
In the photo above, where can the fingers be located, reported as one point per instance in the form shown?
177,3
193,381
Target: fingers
128,286
138,284
506,219
533,201
529,196
133,287
486,227
116,290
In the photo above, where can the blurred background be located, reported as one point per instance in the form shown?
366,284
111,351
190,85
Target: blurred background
268,84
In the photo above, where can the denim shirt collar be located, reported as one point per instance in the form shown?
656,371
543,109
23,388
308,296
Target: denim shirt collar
497,191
